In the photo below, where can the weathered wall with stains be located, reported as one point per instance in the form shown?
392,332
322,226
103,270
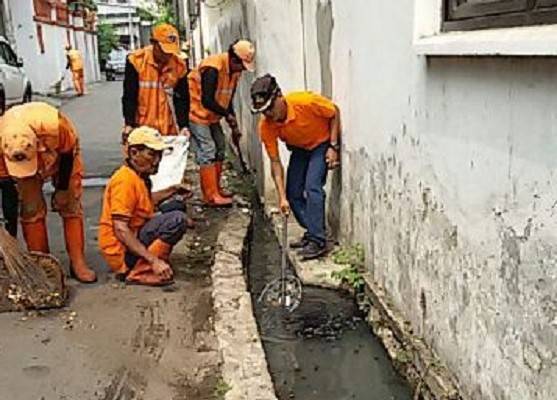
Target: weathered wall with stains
447,177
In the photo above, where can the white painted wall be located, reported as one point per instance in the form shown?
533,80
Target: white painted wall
45,68
447,177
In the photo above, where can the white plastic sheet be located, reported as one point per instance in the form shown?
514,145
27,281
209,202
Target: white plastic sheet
173,163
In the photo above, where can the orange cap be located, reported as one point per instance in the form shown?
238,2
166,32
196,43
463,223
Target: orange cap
245,51
167,36
19,145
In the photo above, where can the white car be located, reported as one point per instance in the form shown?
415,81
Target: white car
116,63
15,87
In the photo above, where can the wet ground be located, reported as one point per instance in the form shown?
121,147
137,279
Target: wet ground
323,350
115,341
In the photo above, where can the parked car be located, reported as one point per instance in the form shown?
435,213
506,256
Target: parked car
115,64
15,87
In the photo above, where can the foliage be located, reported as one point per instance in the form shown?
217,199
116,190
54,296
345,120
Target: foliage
353,258
146,14
88,4
350,255
107,38
160,12
165,15
221,389
351,276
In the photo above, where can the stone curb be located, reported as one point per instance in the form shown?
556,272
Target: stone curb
244,366
410,355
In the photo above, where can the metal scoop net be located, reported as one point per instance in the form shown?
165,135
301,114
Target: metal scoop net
285,291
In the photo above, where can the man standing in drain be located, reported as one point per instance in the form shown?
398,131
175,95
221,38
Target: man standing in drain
309,124
212,88
156,87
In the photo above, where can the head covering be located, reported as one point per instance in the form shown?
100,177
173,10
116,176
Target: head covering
167,37
263,91
184,51
20,149
148,137
245,51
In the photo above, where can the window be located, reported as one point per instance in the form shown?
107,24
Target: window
9,55
2,58
482,14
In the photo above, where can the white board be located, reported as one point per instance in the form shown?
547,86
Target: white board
173,163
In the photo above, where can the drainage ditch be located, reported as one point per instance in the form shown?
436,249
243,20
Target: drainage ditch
323,350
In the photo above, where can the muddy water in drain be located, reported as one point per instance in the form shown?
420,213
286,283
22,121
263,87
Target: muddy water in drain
323,350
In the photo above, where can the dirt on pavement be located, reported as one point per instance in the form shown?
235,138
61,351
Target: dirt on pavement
119,342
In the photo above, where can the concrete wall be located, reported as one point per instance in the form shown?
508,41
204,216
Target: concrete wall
447,177
43,69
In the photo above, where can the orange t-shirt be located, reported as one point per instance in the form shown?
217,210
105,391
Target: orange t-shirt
307,123
126,195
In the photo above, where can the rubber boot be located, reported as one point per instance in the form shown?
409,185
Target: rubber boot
36,236
222,192
143,274
211,196
75,246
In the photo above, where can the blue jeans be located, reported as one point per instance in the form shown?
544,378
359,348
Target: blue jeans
305,181
209,141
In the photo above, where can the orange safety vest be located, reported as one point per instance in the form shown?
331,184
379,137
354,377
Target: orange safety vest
155,89
225,88
76,61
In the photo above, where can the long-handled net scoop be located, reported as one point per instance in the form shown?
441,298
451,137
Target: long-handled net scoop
285,291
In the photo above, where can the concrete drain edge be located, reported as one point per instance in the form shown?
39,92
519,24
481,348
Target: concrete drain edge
244,366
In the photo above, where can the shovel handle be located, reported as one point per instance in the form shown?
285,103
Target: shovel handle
284,255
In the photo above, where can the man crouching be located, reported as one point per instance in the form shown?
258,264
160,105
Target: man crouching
136,242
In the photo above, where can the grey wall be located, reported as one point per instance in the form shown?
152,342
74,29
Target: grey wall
447,178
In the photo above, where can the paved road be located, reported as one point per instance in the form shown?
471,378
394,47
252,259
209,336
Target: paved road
98,117
123,342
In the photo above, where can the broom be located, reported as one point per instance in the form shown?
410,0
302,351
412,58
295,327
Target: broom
28,280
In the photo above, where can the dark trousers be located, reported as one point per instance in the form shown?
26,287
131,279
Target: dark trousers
169,227
10,203
305,181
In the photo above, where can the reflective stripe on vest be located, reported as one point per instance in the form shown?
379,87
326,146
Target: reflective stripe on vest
155,89
223,95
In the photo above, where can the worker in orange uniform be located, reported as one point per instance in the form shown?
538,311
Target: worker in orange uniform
37,143
134,241
309,124
212,87
75,64
156,87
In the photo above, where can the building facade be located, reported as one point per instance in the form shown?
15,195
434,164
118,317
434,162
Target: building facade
123,16
448,162
39,31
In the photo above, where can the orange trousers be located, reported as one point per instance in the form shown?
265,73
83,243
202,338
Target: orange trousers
78,81
32,202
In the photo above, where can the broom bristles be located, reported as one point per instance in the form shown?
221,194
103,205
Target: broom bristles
29,282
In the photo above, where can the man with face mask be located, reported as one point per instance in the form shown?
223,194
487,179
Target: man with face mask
309,125
135,242
156,87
